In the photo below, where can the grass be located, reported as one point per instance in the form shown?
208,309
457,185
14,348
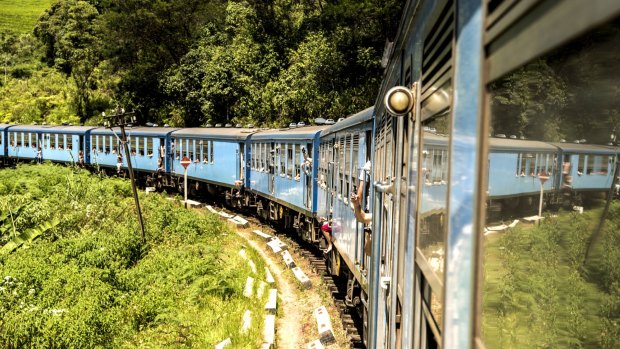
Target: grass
20,16
89,282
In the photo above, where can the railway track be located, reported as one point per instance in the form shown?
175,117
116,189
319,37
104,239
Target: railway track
351,321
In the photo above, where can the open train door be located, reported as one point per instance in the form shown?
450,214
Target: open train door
272,168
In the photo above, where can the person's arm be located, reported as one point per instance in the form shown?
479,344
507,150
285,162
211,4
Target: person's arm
360,215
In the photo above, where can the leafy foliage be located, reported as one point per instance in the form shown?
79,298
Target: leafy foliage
88,282
191,62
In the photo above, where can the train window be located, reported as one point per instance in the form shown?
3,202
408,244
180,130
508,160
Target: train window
53,142
149,150
12,139
556,283
69,142
598,164
259,157
296,161
433,212
289,160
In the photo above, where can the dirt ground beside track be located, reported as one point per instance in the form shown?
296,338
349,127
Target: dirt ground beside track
295,324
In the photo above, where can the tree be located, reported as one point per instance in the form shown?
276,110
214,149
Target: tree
69,35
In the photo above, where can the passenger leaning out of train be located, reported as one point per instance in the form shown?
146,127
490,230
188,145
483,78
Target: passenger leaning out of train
81,158
361,214
327,232
119,163
357,198
307,165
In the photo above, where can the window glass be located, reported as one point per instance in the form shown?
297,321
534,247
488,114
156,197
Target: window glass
555,284
149,146
69,142
432,225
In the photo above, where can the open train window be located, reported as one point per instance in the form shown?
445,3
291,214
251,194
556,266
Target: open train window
296,161
289,160
149,150
552,284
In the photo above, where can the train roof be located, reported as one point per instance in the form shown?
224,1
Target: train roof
50,128
229,133
519,144
137,131
3,126
351,121
586,148
305,132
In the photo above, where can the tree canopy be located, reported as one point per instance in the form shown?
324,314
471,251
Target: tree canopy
190,62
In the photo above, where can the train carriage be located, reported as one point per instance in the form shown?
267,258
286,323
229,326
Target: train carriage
586,167
55,143
3,144
281,175
343,153
147,148
515,166
218,156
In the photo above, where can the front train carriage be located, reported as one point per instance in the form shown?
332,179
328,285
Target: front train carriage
217,158
585,168
281,176
147,148
343,153
44,142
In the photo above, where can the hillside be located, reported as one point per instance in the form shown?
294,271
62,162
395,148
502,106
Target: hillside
21,15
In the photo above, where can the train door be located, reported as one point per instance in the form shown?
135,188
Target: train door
241,161
272,168
308,178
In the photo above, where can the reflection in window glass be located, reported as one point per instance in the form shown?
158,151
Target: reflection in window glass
555,284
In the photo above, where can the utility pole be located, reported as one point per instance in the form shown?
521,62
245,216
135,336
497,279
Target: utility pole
121,119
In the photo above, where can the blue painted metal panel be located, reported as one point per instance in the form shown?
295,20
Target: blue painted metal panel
223,167
104,147
287,188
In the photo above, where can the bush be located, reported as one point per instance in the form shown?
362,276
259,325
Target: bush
89,282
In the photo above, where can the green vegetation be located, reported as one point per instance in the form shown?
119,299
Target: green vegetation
20,16
75,274
189,62
539,294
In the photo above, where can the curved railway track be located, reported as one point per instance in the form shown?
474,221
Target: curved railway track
352,322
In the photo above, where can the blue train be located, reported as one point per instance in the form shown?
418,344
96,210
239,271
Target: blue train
420,161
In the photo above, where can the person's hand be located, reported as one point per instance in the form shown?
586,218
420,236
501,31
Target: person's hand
355,200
